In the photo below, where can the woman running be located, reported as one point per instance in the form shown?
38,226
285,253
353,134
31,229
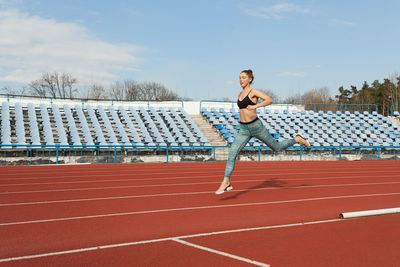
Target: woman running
251,126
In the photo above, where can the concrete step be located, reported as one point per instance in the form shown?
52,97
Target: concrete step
212,134
395,121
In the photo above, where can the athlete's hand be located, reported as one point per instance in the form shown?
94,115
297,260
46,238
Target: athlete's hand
251,107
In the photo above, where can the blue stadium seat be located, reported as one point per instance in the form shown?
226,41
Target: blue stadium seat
48,133
59,125
99,137
19,126
33,126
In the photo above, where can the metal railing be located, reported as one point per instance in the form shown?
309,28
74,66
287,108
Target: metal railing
392,107
39,155
84,101
308,106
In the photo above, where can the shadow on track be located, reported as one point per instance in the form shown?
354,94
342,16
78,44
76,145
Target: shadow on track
274,182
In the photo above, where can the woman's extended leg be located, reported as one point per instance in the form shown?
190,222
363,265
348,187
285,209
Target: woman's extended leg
237,145
240,141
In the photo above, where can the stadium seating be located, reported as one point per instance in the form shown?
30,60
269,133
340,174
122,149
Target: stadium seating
19,126
84,126
103,125
120,127
99,136
5,124
132,130
72,130
48,132
322,129
33,126
40,124
59,126
109,129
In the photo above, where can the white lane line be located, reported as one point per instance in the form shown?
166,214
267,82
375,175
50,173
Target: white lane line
179,194
258,228
186,178
146,185
257,263
104,198
238,173
115,187
192,208
122,180
85,189
112,180
165,239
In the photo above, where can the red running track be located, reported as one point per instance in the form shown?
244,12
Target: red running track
152,214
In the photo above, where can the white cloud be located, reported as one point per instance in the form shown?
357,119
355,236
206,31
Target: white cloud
343,22
94,13
286,7
133,12
293,74
30,46
277,11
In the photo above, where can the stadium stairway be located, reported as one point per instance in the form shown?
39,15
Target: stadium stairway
211,133
395,120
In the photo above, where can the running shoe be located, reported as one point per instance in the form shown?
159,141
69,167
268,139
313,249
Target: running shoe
303,141
226,189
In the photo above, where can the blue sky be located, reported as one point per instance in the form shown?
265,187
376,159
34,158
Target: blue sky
198,48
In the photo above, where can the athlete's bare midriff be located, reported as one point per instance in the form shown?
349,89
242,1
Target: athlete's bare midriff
247,115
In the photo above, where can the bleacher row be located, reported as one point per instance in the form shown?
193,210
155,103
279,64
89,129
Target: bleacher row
322,129
72,125
66,126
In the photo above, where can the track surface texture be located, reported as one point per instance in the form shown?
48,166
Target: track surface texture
278,214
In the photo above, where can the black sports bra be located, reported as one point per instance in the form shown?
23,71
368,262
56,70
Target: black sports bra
245,102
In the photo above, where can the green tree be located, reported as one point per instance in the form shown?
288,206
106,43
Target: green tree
344,96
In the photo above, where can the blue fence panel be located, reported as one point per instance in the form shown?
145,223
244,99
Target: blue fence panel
97,154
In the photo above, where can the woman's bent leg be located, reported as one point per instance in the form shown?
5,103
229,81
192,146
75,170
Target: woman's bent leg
264,135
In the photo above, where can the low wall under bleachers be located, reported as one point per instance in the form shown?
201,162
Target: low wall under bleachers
121,155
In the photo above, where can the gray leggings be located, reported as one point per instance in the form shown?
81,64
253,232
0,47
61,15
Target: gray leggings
246,132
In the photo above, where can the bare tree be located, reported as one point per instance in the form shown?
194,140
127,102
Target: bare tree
117,91
320,95
271,94
395,89
13,91
133,90
97,91
398,90
297,98
55,85
146,91
37,88
158,92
